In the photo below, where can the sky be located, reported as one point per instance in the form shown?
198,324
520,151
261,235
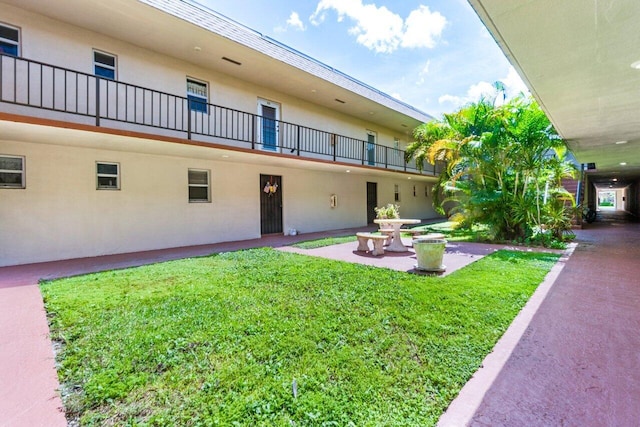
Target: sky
435,55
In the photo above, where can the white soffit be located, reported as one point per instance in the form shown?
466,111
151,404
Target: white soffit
576,56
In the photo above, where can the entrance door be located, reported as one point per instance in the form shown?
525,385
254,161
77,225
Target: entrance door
269,113
270,204
371,148
372,201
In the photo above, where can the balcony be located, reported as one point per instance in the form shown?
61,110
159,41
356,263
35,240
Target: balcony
36,89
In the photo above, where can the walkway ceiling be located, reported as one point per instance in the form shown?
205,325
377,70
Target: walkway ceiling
576,57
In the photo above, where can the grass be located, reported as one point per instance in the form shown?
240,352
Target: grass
327,241
452,234
226,339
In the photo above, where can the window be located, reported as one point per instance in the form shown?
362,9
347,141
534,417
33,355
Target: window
396,143
426,191
199,185
197,95
414,191
9,40
396,193
11,172
104,65
108,176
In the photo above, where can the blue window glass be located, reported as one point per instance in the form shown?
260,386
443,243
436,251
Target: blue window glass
104,65
105,72
8,49
197,95
9,40
197,103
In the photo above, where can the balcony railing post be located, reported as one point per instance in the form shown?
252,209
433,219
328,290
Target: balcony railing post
364,150
386,157
97,100
334,143
188,120
298,140
253,131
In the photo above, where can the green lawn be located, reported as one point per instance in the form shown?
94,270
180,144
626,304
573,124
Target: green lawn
478,233
326,241
221,340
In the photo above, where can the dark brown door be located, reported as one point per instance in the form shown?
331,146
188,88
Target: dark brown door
270,204
372,201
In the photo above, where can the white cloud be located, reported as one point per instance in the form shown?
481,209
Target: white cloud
512,83
422,28
295,22
381,30
397,96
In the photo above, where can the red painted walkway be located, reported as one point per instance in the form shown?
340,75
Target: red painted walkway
578,362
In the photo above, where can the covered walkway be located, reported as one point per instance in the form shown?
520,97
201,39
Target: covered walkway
578,361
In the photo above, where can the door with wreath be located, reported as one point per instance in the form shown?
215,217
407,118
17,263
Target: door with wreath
270,204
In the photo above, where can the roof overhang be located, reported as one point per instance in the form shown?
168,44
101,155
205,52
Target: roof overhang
576,57
193,33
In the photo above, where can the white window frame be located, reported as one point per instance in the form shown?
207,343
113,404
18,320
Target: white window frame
396,192
113,67
16,43
21,171
107,175
204,97
194,185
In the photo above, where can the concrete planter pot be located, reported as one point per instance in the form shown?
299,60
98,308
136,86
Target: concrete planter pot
429,253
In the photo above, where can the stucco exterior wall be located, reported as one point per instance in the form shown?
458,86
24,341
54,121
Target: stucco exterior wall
60,214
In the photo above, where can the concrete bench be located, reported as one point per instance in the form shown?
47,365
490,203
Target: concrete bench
377,239
389,233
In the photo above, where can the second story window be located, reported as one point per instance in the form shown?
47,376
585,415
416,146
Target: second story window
197,94
9,40
104,65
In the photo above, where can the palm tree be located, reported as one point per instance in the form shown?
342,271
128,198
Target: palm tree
498,160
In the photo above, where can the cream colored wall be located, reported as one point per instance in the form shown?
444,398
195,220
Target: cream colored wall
61,215
74,47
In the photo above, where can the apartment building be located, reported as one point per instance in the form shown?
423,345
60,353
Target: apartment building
133,125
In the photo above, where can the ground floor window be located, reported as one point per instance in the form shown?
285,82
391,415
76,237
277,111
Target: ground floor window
11,172
396,193
107,176
199,186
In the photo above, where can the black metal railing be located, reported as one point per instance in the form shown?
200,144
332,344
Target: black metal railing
34,84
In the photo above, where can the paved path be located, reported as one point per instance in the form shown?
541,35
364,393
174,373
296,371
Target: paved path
578,362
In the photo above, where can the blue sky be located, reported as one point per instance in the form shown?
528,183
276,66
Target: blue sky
432,54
